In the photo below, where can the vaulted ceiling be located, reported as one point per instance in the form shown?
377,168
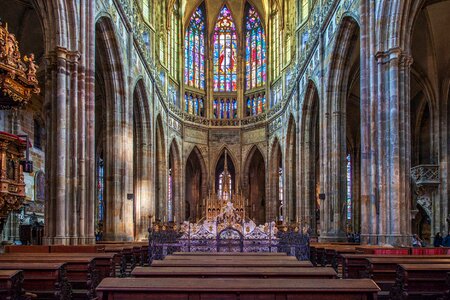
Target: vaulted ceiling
237,8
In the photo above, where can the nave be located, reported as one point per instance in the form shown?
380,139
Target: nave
130,271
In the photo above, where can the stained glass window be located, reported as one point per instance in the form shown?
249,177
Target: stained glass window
225,108
195,50
276,45
255,50
194,105
277,93
256,104
172,43
280,190
145,10
225,53
170,194
305,9
100,198
349,187
222,180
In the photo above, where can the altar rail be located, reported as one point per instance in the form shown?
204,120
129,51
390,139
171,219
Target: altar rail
169,240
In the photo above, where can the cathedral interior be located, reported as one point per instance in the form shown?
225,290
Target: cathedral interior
330,114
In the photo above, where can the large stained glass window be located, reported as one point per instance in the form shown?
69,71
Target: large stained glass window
276,45
255,50
225,108
173,43
225,53
195,50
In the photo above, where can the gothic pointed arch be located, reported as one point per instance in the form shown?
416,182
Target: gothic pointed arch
196,177
195,49
225,47
254,185
109,63
142,164
310,205
291,171
160,170
276,208
225,174
174,178
255,49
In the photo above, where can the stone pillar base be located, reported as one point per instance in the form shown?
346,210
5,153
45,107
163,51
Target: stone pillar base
394,240
117,238
333,237
59,240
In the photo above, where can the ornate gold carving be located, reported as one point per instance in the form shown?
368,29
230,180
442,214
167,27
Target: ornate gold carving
17,78
12,186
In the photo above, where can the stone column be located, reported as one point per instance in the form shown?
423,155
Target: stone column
393,147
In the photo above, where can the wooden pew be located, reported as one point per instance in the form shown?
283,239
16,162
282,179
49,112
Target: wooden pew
228,254
227,272
77,249
238,288
222,257
46,280
127,258
11,284
355,265
230,263
27,249
81,272
384,270
419,281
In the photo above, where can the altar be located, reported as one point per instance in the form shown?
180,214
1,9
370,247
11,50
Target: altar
226,227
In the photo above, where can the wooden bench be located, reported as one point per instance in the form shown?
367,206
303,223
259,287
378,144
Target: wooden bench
384,270
231,263
127,258
420,281
238,288
46,280
81,272
11,284
227,272
355,265
237,258
27,249
228,254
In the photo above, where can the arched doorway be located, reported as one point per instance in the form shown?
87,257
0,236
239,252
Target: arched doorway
195,186
256,184
160,170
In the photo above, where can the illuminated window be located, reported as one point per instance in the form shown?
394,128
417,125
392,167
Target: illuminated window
172,43
194,104
305,10
225,53
194,74
256,104
225,108
280,190
255,50
276,46
349,187
223,177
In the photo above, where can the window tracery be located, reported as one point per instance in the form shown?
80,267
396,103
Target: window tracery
195,50
255,50
225,53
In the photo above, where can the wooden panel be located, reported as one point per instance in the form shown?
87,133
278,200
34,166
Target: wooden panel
231,263
241,288
223,272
